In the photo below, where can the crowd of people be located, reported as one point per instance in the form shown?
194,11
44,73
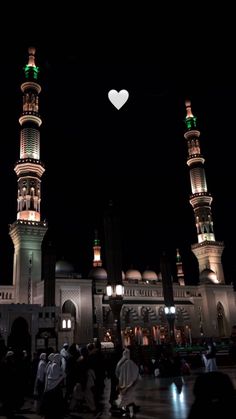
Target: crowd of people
73,379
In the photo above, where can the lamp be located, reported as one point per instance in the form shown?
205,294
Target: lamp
170,315
115,294
116,290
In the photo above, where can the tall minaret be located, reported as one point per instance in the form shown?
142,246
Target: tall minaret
28,231
96,251
179,268
208,251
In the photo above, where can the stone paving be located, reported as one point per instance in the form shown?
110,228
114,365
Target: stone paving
158,398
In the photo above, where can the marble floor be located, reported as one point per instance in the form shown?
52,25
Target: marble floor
158,398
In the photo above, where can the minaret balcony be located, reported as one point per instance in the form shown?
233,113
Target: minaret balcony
208,243
30,117
192,133
27,166
30,113
195,159
30,223
30,85
201,199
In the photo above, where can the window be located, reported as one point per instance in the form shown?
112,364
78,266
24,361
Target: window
64,324
69,324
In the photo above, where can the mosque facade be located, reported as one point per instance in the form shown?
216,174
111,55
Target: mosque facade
40,311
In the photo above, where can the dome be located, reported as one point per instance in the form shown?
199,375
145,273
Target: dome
149,275
98,273
209,276
133,274
62,266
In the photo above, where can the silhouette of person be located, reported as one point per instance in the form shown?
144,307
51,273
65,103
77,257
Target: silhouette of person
214,396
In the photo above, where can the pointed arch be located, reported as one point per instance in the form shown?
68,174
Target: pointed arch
129,315
69,308
19,338
148,315
182,316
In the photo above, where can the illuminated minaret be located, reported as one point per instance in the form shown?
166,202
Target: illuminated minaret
179,268
28,231
208,251
96,251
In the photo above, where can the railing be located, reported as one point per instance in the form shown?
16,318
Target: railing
6,294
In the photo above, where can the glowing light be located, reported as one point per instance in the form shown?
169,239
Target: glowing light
119,289
28,215
29,69
169,310
109,290
63,324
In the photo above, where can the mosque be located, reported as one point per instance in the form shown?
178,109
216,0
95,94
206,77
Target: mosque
46,307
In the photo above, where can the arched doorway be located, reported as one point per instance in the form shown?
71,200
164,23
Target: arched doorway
69,308
19,338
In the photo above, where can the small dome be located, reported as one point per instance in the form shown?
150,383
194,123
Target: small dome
208,276
62,266
133,274
98,273
149,275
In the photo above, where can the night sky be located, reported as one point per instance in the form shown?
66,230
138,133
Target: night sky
135,156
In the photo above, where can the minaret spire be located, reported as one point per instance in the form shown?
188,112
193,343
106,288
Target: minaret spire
96,251
29,168
201,200
28,231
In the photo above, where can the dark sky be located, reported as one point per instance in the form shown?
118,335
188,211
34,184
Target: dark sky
135,156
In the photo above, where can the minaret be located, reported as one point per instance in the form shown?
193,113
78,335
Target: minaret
208,251
179,268
28,231
96,251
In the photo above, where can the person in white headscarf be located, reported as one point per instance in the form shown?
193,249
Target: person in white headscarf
40,381
64,355
127,373
53,396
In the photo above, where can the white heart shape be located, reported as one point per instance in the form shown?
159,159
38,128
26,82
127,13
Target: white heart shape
118,99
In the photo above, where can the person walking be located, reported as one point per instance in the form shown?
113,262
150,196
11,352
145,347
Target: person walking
39,384
211,357
128,375
53,404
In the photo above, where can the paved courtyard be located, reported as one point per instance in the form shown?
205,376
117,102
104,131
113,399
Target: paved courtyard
158,398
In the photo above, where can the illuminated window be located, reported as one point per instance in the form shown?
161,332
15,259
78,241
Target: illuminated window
63,324
69,324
